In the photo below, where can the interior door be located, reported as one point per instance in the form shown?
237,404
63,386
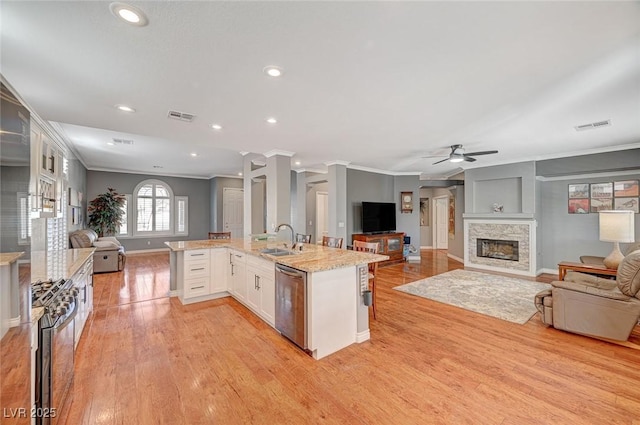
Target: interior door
441,220
322,215
232,211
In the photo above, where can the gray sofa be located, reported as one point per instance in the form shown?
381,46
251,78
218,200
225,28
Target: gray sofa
109,255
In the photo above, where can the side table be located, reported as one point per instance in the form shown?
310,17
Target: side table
584,268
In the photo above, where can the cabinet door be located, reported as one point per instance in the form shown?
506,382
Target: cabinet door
267,286
219,263
253,289
238,276
394,244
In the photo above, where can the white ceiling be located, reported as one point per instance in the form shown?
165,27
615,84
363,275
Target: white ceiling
378,84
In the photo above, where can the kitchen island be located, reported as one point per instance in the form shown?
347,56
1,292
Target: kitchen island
245,269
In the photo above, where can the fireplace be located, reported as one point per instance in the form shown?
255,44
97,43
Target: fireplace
499,249
517,254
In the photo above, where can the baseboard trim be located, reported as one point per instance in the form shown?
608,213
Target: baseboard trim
147,251
173,293
427,247
14,321
363,336
550,271
453,257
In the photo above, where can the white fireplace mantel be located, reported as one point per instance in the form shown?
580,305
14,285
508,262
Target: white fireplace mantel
501,228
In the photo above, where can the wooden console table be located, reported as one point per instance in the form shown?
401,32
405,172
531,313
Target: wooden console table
584,268
391,244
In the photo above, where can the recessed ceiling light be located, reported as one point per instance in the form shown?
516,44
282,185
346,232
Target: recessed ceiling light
130,14
297,162
194,154
110,143
272,120
125,108
216,126
239,174
273,71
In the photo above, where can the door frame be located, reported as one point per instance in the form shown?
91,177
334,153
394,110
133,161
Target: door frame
434,218
224,191
317,230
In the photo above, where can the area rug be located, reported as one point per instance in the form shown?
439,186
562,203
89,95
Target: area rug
506,298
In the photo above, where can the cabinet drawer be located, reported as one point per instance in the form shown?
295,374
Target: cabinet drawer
194,269
196,255
196,287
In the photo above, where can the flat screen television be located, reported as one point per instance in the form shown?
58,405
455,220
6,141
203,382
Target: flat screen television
378,217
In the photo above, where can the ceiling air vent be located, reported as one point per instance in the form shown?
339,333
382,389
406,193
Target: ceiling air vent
181,116
593,125
123,142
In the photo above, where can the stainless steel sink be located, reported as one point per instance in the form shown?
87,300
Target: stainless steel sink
277,252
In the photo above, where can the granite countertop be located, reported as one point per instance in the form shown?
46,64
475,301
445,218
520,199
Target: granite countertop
7,258
312,258
36,314
56,265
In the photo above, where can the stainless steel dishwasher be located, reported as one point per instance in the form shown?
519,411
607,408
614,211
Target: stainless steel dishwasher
291,304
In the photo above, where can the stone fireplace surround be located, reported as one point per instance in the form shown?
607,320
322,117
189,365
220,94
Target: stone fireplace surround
499,228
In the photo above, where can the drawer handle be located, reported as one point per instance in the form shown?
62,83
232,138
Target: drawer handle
200,268
196,255
197,287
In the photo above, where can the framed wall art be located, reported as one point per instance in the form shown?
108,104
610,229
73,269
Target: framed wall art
601,204
578,191
578,206
602,190
626,188
631,204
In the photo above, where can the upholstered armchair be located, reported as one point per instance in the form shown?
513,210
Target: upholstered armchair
594,306
109,254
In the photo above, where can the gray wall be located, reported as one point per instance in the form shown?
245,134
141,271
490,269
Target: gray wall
365,186
198,191
426,230
409,223
77,181
565,237
512,185
217,185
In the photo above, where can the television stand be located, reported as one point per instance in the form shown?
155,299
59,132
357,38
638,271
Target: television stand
391,244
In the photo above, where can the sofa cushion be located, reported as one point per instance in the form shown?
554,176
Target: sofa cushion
106,244
629,275
82,238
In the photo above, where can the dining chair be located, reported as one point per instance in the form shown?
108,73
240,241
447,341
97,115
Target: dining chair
219,235
332,242
373,248
303,238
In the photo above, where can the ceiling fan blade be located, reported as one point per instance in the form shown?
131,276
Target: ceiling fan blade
480,153
469,159
443,160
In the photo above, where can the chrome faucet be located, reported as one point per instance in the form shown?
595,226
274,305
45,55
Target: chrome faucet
293,235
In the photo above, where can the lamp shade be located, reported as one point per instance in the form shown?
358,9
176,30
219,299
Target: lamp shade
617,226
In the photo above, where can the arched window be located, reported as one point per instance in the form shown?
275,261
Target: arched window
156,210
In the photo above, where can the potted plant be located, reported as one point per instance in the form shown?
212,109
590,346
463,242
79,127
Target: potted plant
105,213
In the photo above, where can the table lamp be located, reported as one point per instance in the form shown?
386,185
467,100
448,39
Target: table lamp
616,226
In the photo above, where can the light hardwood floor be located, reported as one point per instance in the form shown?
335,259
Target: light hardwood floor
146,359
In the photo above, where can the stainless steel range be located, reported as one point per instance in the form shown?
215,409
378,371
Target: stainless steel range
54,358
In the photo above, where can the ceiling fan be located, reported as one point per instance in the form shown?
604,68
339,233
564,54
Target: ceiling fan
458,155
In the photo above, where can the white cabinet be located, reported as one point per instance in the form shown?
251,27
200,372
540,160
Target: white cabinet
83,282
261,288
237,273
219,261
196,273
